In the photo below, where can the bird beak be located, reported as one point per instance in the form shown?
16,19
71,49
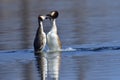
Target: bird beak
48,16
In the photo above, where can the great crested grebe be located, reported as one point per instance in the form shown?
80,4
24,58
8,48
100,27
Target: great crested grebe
53,39
40,38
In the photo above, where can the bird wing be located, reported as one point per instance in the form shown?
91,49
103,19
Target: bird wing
59,42
38,43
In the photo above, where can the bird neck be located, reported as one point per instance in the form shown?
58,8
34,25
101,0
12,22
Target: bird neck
54,26
40,28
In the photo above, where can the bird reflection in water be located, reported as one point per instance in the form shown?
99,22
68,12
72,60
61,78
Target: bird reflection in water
48,65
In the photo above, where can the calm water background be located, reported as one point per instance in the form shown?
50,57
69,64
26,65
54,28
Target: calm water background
80,21
81,24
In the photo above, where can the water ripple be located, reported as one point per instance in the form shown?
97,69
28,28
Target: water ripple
99,48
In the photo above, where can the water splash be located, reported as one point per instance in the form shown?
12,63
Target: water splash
69,49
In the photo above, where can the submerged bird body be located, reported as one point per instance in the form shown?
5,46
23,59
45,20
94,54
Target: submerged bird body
40,38
53,39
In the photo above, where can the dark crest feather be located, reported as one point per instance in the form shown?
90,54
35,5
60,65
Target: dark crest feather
39,18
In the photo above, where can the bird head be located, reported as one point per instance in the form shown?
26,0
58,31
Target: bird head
52,15
42,17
